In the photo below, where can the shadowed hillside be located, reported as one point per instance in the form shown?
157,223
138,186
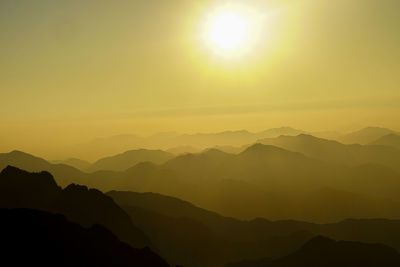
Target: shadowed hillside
38,238
321,251
392,140
168,221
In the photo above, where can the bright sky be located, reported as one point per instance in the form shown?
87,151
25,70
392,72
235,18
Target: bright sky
72,70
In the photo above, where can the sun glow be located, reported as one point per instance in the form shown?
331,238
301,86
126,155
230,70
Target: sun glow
231,30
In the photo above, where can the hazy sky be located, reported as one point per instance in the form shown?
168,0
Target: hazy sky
71,70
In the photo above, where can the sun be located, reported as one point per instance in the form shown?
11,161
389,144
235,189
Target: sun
231,30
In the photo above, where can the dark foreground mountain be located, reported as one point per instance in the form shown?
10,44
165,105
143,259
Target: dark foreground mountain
191,236
21,189
38,238
64,174
322,251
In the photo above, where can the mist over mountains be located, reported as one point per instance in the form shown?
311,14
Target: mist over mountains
290,177
177,144
262,203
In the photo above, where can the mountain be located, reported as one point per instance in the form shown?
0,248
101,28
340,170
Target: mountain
392,140
366,230
191,236
115,144
64,174
183,229
130,158
335,152
270,167
365,135
180,150
21,189
39,238
274,132
73,162
230,149
322,251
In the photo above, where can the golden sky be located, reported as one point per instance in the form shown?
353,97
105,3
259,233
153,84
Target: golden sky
72,70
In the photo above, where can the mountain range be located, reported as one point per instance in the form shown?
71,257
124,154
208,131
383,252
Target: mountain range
202,238
261,181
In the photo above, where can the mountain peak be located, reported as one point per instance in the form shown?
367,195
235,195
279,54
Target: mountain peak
18,176
260,148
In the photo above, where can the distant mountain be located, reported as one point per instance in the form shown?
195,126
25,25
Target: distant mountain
38,238
115,144
322,251
274,132
392,140
365,135
73,162
230,149
231,138
180,150
130,158
335,152
330,135
21,189
182,229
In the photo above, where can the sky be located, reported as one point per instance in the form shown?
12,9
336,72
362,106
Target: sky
74,70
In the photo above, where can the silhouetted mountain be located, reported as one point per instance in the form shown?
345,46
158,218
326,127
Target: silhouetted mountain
335,152
392,140
64,174
365,135
38,238
130,158
73,162
160,215
322,251
20,189
262,181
